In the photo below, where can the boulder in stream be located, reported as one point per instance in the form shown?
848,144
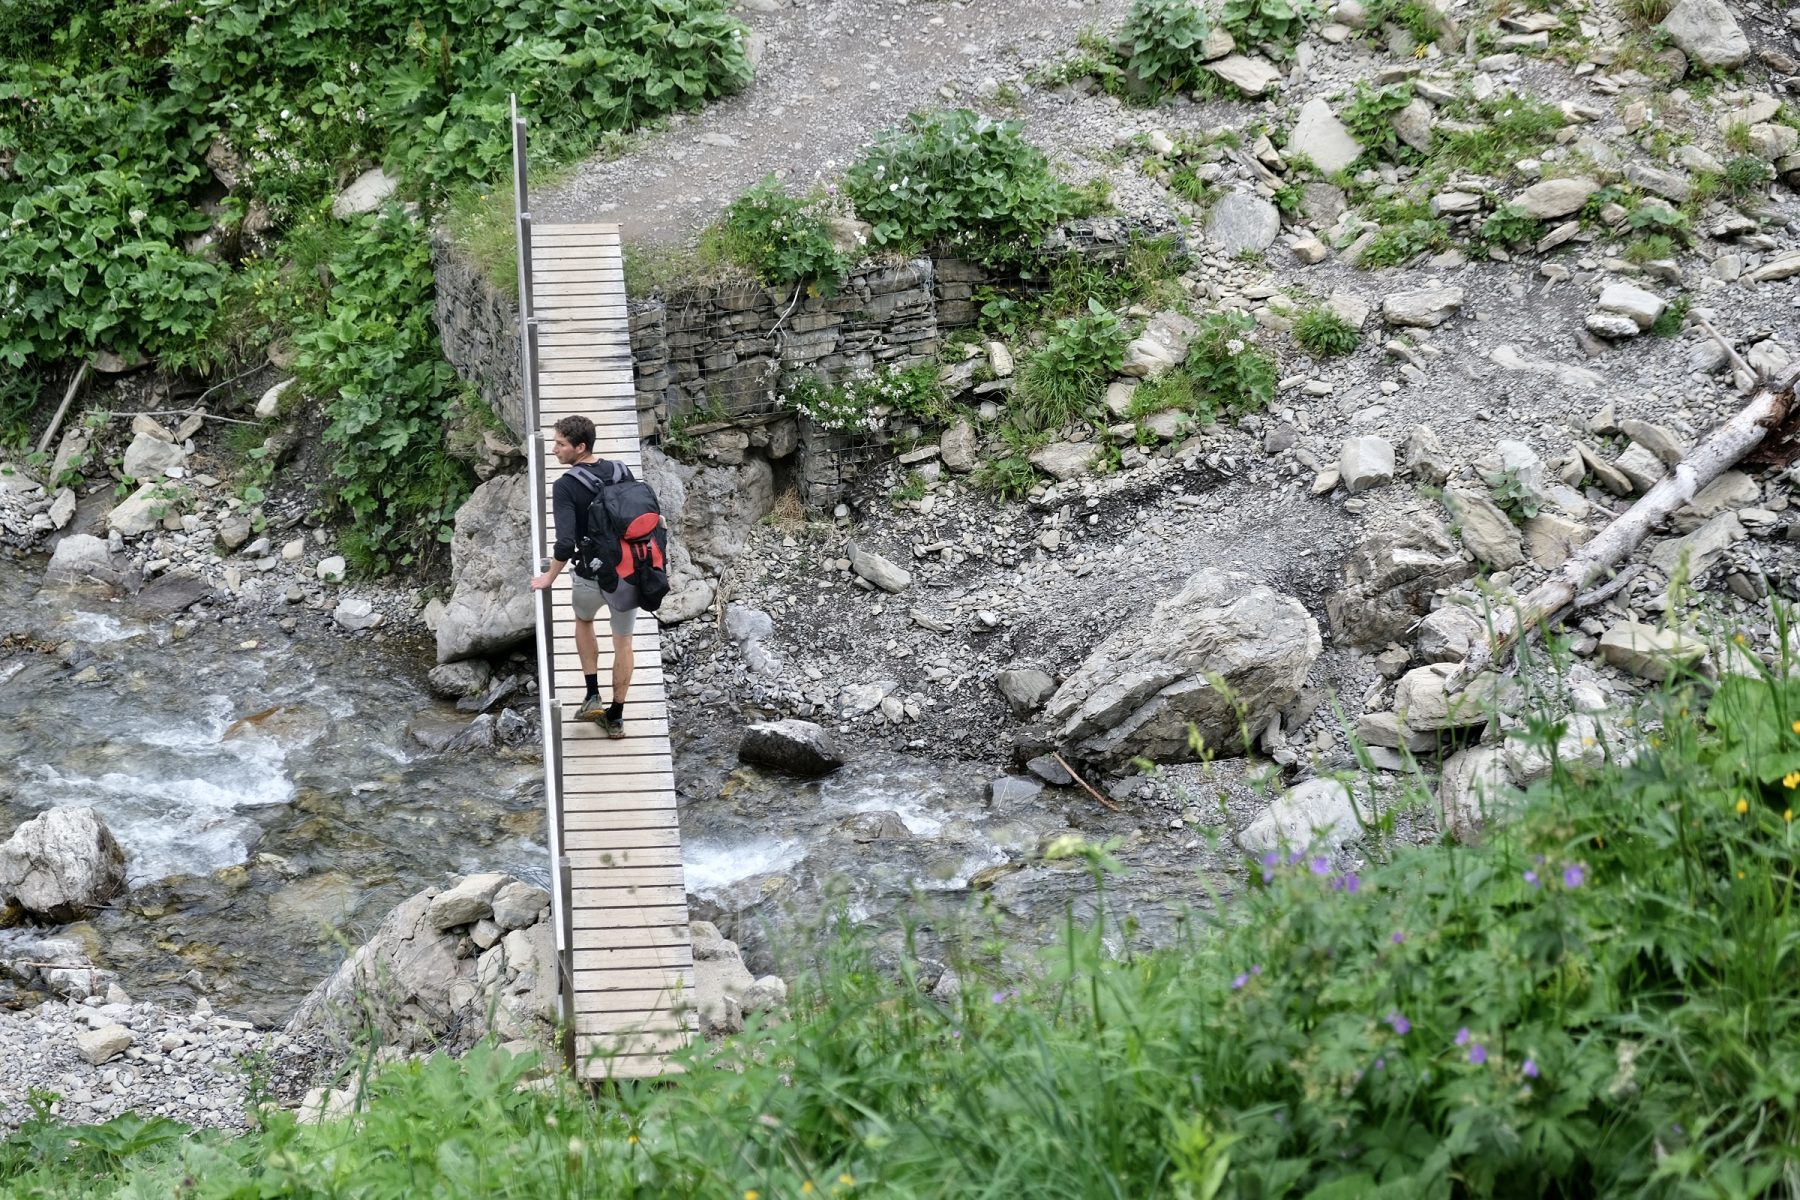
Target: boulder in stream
794,746
61,864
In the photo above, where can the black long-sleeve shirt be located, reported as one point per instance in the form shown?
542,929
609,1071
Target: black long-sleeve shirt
569,499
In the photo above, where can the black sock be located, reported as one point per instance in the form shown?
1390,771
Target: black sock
616,710
593,682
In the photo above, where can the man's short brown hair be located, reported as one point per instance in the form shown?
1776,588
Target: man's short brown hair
577,431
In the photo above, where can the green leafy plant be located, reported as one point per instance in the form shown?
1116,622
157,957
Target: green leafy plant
1672,319
1185,181
1325,334
1062,382
912,489
1516,500
1367,116
1161,42
1509,226
961,181
912,391
1658,219
1401,243
1228,373
1745,175
1277,22
785,241
830,407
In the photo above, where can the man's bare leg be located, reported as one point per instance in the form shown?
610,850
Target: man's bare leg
587,647
623,664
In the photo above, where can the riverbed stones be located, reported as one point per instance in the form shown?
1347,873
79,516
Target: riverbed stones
1317,814
82,560
469,901
1555,198
1708,33
1011,789
1642,307
354,614
61,864
1487,532
1160,348
1427,705
1700,550
139,512
1241,221
1422,308
1448,635
959,447
792,746
1321,137
881,572
454,681
1224,645
490,608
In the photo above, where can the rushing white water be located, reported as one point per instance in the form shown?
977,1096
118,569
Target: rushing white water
710,866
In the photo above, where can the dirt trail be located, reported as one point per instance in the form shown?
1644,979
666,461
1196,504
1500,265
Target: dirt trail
831,74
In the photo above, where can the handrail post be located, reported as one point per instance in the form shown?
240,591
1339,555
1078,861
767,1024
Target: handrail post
549,714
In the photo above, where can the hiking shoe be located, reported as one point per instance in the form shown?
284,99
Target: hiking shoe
592,709
612,727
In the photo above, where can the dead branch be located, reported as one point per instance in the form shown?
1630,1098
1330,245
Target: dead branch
1085,785
62,409
1720,450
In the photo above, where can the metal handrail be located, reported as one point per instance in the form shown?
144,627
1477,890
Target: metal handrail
549,717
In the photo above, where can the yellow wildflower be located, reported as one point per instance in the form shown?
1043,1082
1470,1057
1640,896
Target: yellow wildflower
847,1179
1787,814
1790,782
807,1188
1743,806
752,1194
632,1140
1795,726
1740,874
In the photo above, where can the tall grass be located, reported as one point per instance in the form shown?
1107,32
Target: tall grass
1598,1000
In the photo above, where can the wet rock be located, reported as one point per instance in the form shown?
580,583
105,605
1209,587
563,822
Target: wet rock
1222,645
875,826
1052,772
791,745
453,681
82,560
1318,813
491,609
1390,580
60,864
1010,789
356,615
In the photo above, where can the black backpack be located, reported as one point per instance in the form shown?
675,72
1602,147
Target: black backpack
625,539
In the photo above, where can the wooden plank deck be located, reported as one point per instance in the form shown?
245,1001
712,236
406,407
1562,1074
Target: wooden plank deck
632,963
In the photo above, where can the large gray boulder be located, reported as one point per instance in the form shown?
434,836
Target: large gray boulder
794,746
84,561
1390,579
1320,136
690,591
709,511
424,988
1708,33
61,864
491,601
1224,642
1242,221
1318,813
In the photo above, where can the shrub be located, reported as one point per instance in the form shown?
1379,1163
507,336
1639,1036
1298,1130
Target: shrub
828,406
1277,22
1673,319
1745,175
1009,477
1367,112
785,241
1509,226
905,391
1161,40
962,181
1062,382
374,354
1324,334
1229,373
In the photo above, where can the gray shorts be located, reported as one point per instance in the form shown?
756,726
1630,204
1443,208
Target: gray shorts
588,599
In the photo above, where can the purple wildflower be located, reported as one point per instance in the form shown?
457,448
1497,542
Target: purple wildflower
1381,1064
956,1033
1531,877
1574,875
1238,982
1530,1068
1321,865
1348,883
1268,877
1398,937
1256,968
1001,997
1400,1024
1462,1036
1478,1054
1271,859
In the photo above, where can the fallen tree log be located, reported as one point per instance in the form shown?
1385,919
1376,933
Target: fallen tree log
1721,449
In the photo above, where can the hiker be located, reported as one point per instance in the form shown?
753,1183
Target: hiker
573,496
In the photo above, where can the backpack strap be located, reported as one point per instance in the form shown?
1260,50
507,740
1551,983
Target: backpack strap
617,470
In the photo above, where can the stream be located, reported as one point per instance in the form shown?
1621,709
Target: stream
273,806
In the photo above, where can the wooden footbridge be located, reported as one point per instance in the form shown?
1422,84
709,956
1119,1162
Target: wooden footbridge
620,904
